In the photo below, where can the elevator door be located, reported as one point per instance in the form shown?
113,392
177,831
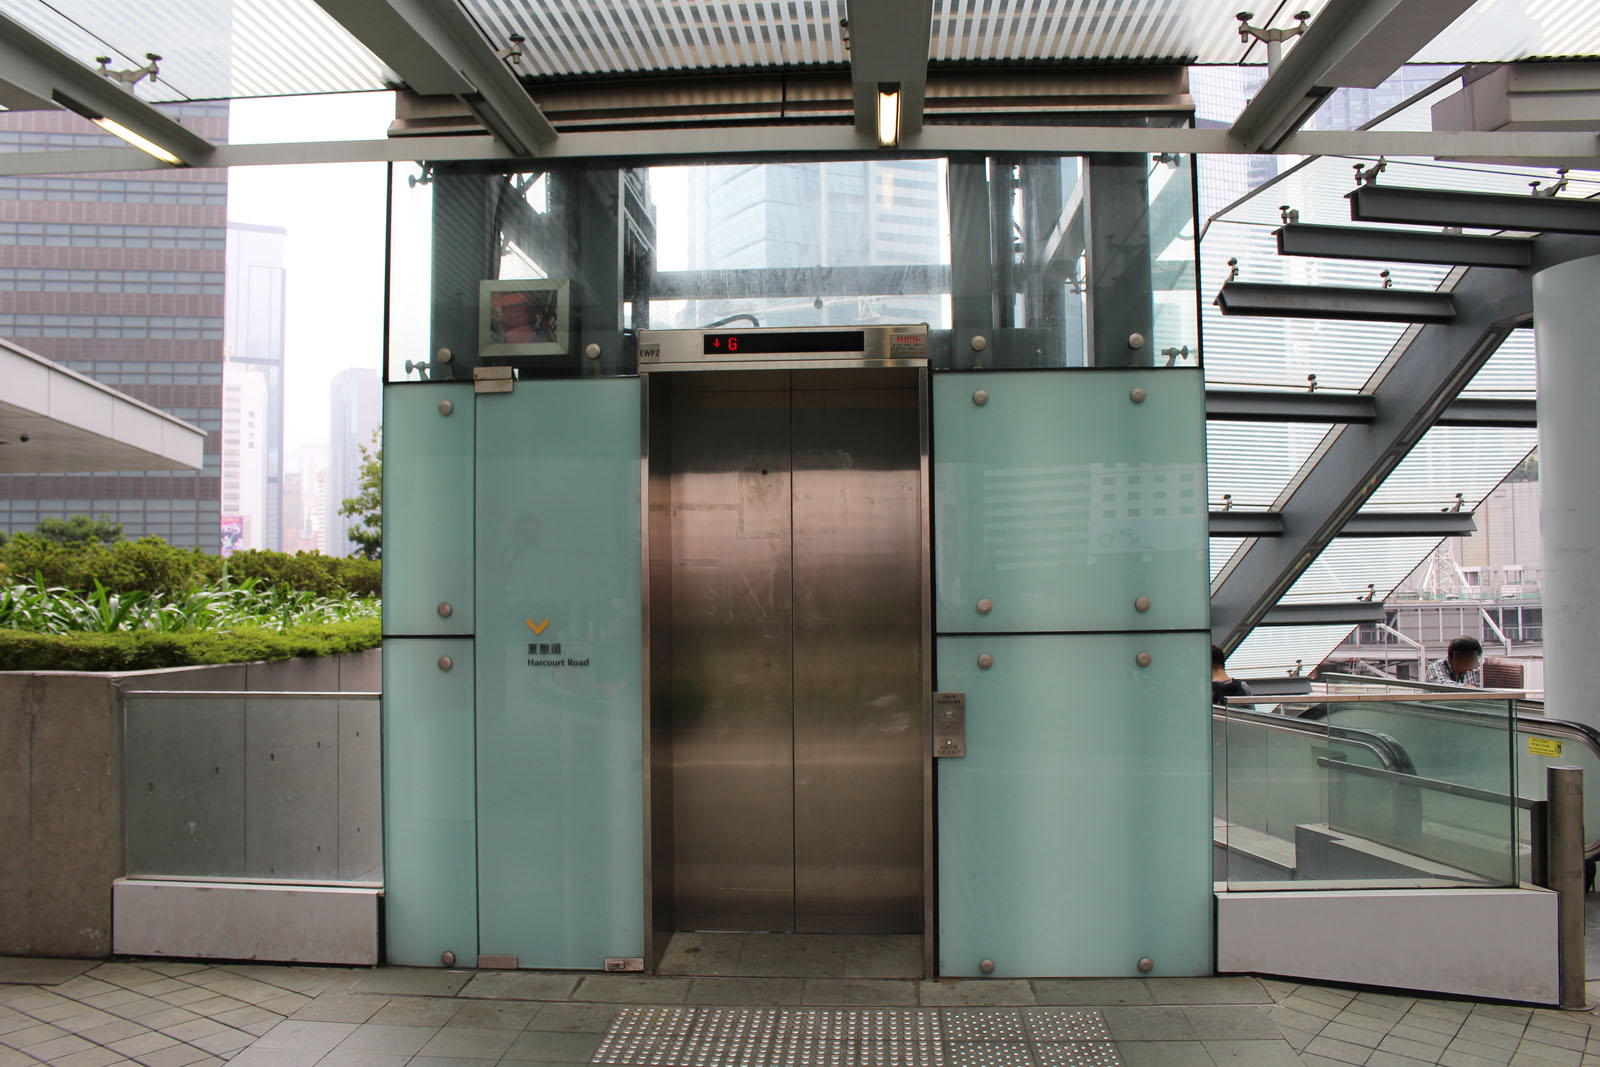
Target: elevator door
796,679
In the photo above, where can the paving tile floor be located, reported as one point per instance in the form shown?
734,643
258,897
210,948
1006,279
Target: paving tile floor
76,1013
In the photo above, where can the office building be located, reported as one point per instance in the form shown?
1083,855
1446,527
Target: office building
353,417
253,338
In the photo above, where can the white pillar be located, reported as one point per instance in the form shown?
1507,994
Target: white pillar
1566,317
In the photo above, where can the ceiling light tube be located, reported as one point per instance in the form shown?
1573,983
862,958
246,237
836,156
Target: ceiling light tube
111,126
888,115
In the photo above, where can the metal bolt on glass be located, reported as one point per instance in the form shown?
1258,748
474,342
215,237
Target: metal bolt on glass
445,663
985,661
1136,340
1146,965
447,958
985,606
445,610
1138,394
1142,604
979,342
981,397
446,407
1143,659
986,966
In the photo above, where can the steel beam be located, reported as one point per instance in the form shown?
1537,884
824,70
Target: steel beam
1522,414
1355,43
1409,524
1403,246
798,282
36,74
889,46
436,48
1246,524
1331,302
798,141
1265,405
1339,613
1479,211
1418,385
1364,524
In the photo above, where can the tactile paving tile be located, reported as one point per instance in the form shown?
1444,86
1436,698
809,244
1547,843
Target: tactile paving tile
1051,1024
1077,1054
982,1024
773,1037
983,1054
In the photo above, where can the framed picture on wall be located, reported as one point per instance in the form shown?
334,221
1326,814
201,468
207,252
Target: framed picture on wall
524,317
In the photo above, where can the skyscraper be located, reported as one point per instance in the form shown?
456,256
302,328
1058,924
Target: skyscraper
354,411
245,409
253,338
120,277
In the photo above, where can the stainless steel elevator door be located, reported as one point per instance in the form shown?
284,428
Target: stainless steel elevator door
796,640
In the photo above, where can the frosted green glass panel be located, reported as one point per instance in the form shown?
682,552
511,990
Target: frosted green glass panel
1062,502
427,509
1075,835
560,812
430,868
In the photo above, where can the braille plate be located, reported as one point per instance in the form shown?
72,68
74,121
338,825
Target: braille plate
853,1037
1077,1054
1045,1024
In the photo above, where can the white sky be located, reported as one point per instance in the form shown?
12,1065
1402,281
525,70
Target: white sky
334,252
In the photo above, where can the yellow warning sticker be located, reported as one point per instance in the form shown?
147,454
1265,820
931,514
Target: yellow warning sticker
1544,746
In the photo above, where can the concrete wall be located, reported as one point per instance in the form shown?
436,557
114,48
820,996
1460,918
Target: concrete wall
61,787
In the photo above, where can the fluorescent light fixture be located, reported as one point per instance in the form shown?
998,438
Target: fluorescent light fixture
111,126
888,115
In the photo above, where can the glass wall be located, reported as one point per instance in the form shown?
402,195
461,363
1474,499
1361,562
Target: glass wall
1013,261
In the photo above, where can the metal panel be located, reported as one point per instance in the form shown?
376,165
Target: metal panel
184,783
732,671
858,707
360,791
292,924
291,788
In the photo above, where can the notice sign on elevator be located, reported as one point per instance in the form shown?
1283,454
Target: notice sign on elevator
548,653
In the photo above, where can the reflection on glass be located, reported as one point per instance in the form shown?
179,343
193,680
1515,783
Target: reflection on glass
800,244
1386,792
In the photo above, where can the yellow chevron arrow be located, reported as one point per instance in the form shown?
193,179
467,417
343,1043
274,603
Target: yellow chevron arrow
539,627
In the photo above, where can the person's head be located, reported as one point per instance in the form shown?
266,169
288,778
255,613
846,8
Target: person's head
1465,654
1218,659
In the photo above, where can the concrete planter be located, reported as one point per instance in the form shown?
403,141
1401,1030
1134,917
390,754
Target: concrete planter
61,821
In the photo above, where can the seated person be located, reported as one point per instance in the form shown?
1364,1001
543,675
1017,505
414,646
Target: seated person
1223,686
1462,664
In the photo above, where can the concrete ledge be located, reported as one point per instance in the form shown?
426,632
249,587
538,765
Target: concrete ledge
1496,943
244,921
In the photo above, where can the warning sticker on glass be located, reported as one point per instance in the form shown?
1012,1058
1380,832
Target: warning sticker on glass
1544,746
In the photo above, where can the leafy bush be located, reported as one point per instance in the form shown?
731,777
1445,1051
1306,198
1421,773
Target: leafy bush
219,605
21,650
151,565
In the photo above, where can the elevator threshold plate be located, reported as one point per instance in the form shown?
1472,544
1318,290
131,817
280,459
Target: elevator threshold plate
857,1037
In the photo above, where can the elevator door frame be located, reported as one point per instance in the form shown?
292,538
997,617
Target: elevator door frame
655,766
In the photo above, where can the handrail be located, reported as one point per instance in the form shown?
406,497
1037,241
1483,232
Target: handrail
1387,750
242,693
1435,784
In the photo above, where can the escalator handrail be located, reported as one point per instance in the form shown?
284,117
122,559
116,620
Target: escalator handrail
1388,751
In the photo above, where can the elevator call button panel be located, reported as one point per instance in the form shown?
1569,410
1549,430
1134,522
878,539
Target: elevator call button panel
949,725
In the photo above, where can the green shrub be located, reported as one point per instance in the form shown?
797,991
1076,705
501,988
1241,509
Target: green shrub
151,565
24,651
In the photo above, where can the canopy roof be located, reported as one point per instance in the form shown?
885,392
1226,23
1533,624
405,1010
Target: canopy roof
230,48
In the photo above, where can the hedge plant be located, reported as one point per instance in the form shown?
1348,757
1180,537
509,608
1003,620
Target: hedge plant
151,565
26,651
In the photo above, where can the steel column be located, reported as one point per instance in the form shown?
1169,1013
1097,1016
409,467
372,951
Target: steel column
972,292
1121,310
1564,788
